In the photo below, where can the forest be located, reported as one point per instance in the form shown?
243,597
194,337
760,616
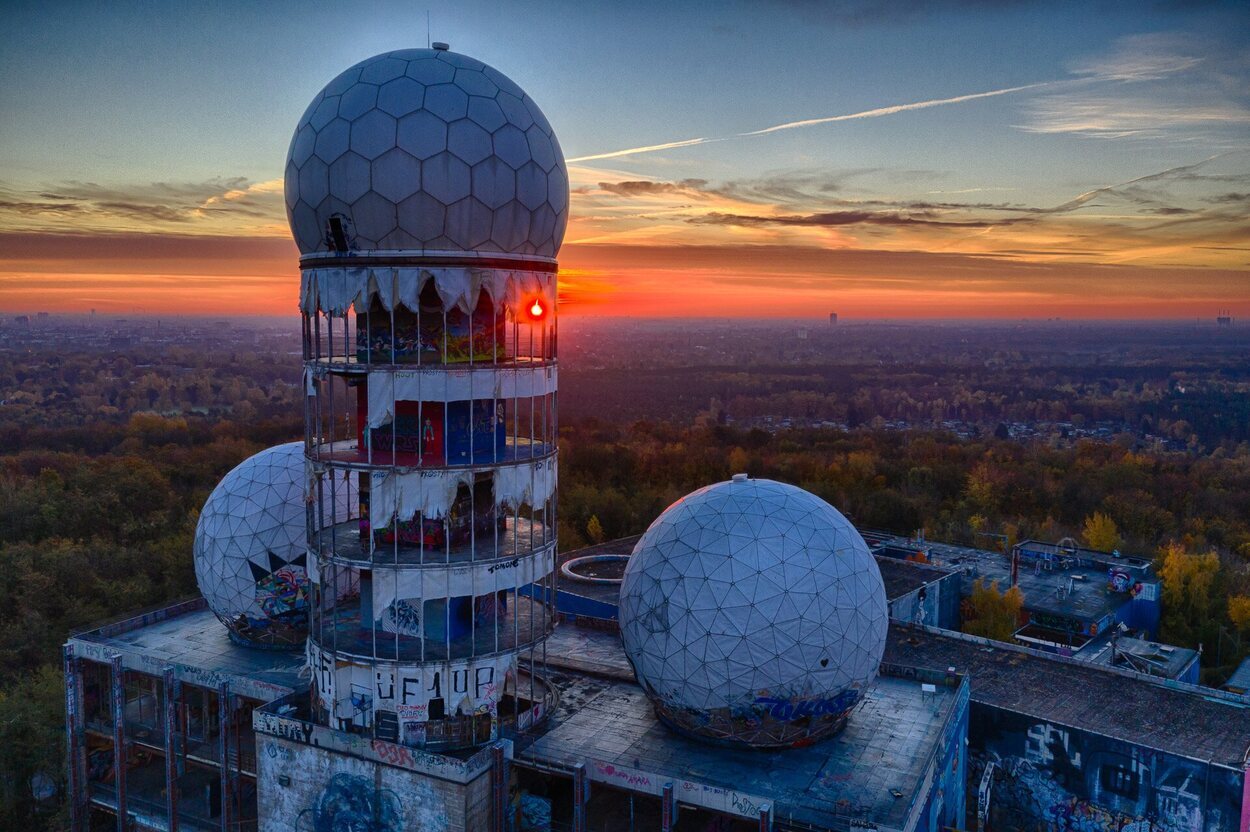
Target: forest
102,475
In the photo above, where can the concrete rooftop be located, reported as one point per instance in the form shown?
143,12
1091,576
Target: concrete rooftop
870,772
1186,720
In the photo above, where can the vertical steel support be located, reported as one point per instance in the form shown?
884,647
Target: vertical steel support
223,750
76,782
581,796
171,689
118,698
766,818
499,773
667,813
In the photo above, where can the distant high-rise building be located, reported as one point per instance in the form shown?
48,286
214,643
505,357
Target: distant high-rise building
1225,318
833,318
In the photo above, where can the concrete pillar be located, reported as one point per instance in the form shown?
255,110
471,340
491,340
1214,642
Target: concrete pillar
581,796
118,701
668,810
499,785
223,751
766,818
172,691
76,779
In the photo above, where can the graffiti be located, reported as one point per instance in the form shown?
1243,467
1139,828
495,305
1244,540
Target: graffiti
290,729
630,778
744,805
351,803
788,710
275,751
1118,580
403,617
283,592
511,564
1042,776
387,752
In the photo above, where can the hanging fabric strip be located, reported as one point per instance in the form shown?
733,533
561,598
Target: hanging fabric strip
387,388
458,580
338,290
432,491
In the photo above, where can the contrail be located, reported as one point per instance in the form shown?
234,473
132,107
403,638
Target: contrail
895,108
790,125
612,154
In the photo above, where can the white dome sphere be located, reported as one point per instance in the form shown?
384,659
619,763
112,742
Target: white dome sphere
250,548
431,151
753,613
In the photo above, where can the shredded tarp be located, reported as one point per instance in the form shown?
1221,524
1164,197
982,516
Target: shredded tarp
431,492
444,385
336,290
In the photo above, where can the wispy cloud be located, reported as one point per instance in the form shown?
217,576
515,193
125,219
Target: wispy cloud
222,205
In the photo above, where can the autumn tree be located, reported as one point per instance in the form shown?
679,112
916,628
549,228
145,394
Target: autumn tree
1191,601
594,529
991,613
1101,533
1239,612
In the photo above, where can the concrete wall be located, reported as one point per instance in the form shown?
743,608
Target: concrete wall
311,789
940,606
1048,776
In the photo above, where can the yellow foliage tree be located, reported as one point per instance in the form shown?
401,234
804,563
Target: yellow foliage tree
594,529
738,461
1101,533
1239,612
991,613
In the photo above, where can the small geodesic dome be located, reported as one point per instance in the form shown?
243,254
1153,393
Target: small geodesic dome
251,550
753,614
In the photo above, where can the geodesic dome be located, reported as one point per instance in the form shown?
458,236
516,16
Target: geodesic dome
753,614
426,149
251,549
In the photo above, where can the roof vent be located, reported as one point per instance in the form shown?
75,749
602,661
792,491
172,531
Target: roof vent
439,46
740,478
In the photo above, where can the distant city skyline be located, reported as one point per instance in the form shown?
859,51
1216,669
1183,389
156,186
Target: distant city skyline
773,159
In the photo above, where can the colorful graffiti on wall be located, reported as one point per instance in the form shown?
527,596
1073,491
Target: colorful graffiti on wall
351,803
1048,777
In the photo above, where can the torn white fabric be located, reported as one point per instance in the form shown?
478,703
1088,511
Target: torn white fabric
337,290
432,492
413,585
386,388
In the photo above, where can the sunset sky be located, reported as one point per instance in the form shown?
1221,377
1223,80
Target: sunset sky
787,158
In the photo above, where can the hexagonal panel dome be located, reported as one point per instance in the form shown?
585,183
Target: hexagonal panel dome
753,614
394,144
250,548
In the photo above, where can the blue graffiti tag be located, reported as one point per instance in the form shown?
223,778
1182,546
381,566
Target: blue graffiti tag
351,803
788,710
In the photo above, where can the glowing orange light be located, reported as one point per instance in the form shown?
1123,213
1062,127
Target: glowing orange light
537,310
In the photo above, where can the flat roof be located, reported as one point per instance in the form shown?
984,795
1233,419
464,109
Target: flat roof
1186,720
605,719
902,577
1241,677
189,638
1078,592
1137,654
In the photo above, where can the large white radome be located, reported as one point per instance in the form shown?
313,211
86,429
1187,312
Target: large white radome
753,613
250,548
431,151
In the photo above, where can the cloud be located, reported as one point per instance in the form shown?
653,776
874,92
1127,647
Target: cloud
218,205
1144,57
645,187
832,219
1118,116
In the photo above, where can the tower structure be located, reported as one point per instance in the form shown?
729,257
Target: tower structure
428,196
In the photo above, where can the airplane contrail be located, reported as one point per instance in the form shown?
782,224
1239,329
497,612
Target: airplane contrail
790,125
